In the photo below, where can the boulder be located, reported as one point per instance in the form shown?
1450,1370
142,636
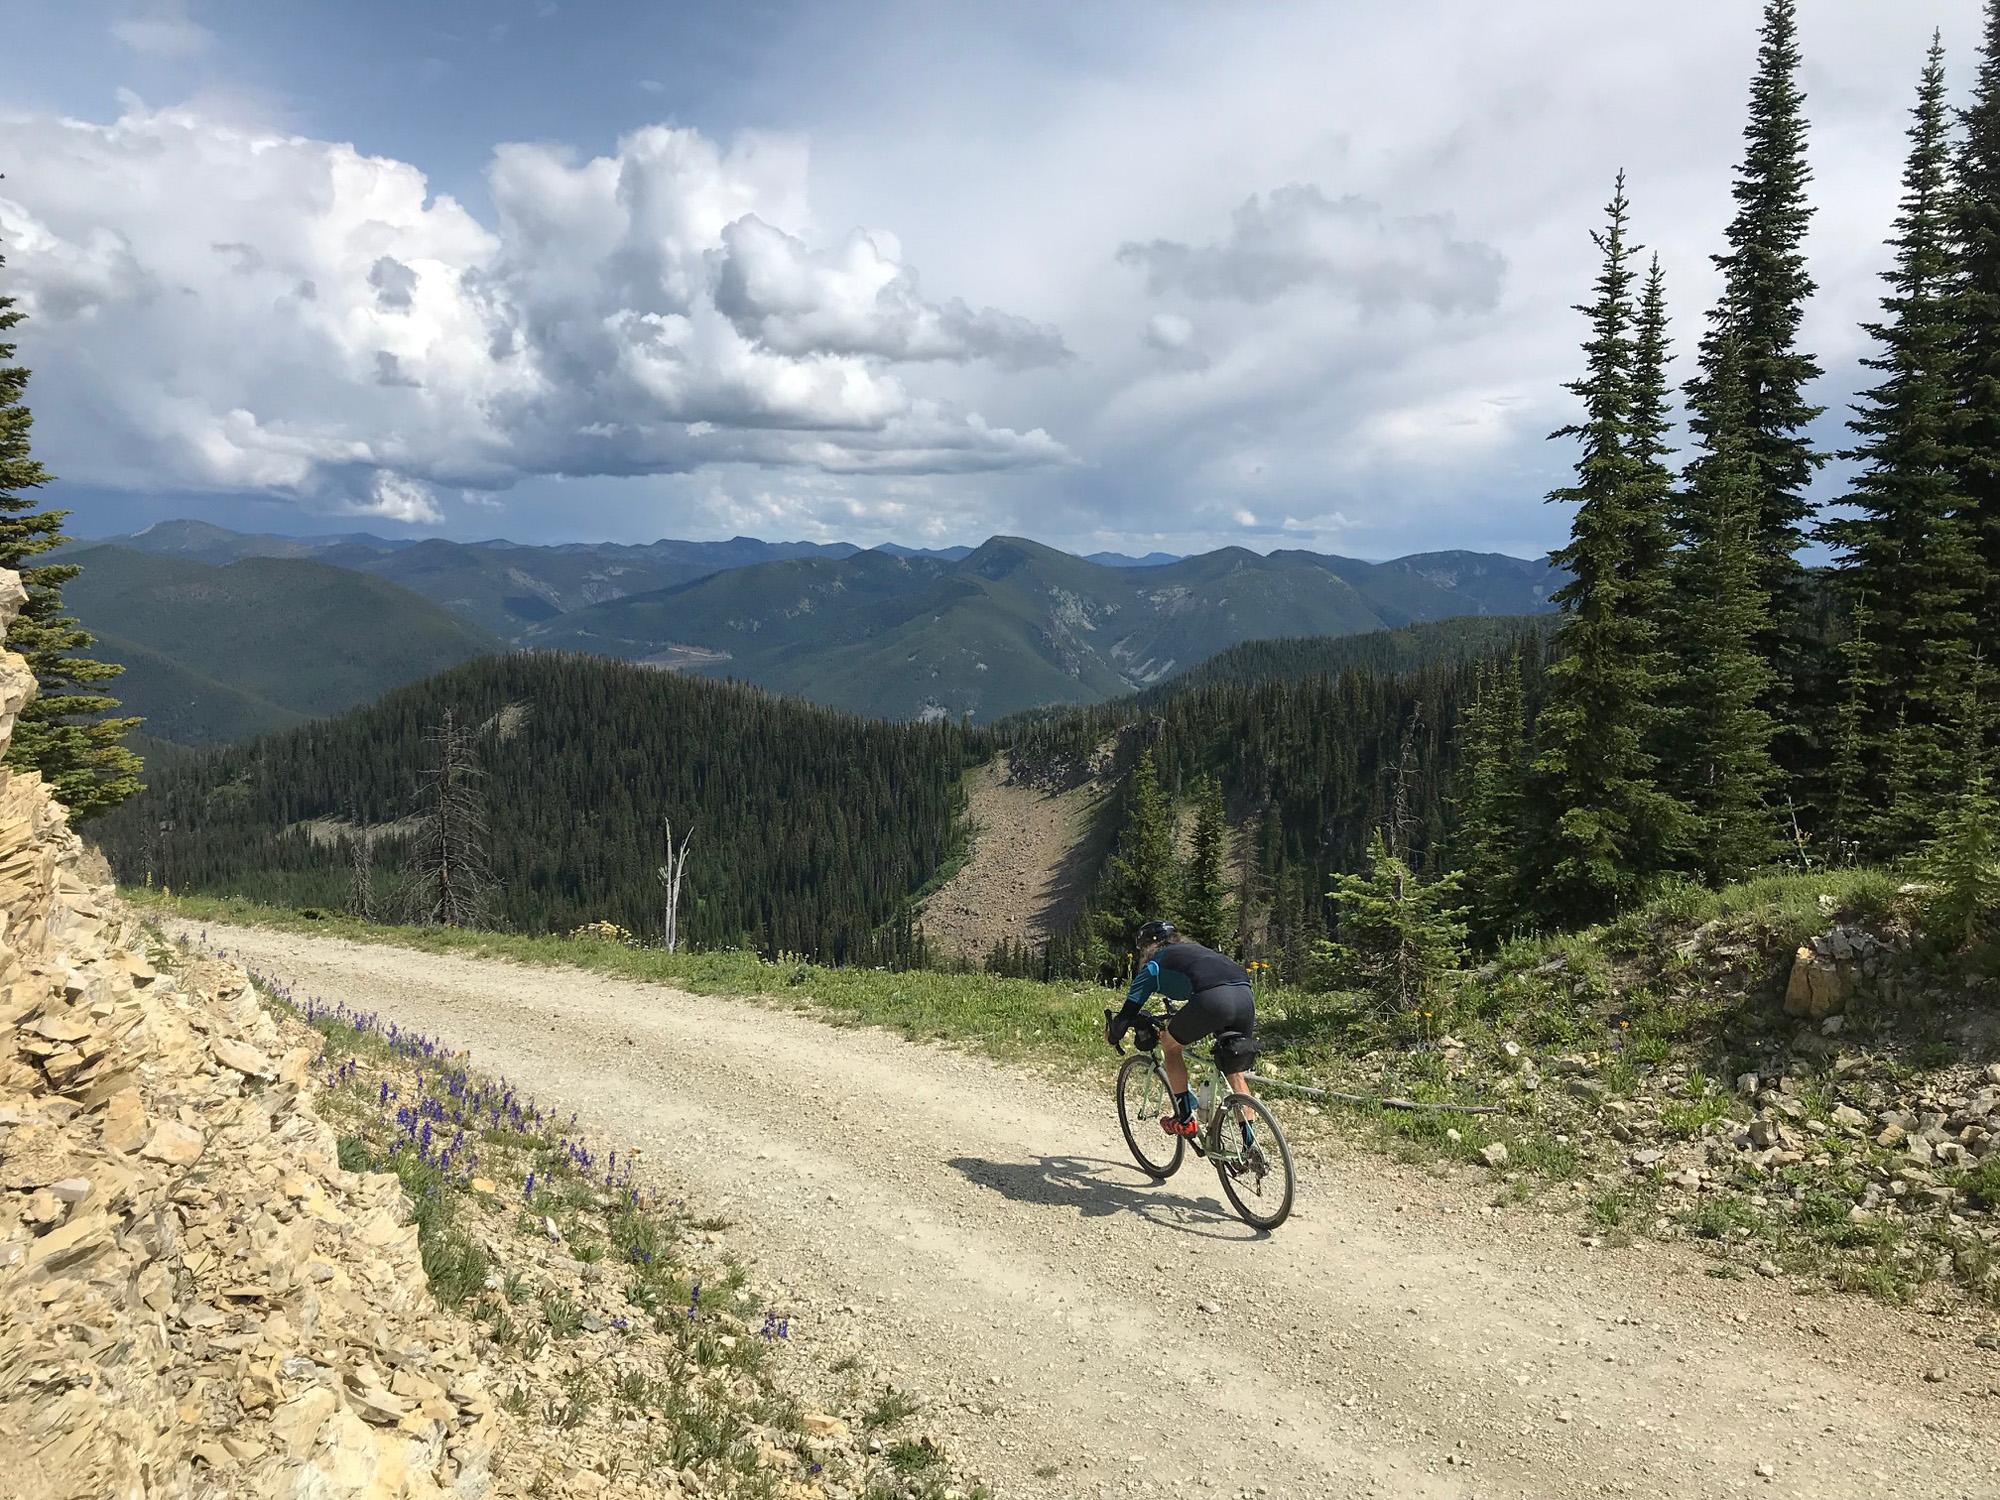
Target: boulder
1820,985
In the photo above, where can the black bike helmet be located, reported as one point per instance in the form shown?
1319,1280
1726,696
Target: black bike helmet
1155,931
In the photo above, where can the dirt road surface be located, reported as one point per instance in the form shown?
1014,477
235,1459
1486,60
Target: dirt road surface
979,1232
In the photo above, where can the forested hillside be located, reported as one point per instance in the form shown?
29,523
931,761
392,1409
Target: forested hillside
1015,625
214,654
812,829
1311,747
1289,659
497,586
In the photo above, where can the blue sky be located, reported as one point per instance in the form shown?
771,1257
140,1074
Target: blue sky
1124,274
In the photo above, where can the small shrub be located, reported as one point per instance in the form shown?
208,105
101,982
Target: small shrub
564,1317
912,1458
1719,1216
891,1407
1983,1181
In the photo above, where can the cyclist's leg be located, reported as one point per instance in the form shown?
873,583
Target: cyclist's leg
1240,1083
1173,1057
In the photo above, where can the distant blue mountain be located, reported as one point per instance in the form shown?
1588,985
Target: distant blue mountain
943,554
1122,560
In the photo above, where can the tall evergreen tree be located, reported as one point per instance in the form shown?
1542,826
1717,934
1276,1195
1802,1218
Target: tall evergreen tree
1756,322
62,733
1492,757
1205,913
1962,905
1143,881
1721,738
1978,234
1854,757
1653,502
1908,545
1602,826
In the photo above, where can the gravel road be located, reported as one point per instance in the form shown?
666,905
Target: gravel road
980,1233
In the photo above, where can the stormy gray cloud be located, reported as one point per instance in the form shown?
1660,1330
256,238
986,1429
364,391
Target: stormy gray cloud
1297,237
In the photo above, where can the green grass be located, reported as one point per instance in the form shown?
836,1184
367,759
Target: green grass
891,1407
1012,1018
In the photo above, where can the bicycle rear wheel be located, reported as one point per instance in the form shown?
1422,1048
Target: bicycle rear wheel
1257,1180
1143,1097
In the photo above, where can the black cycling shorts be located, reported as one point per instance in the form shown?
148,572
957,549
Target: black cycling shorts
1225,1007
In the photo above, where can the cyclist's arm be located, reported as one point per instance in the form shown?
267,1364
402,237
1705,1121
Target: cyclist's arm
1145,985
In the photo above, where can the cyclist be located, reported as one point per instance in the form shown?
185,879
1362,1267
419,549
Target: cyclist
1216,992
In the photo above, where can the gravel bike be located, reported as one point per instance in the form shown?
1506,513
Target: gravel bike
1256,1176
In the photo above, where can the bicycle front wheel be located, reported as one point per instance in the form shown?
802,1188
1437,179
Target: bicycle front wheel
1257,1177
1143,1097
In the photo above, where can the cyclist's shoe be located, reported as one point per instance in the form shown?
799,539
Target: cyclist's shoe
1174,1125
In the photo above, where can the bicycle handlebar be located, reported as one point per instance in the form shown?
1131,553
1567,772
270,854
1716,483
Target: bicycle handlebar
1158,1021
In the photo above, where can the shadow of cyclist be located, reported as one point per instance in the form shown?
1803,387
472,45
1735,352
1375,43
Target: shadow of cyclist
1093,1187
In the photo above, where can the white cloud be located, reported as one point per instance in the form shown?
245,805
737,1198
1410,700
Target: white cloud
1169,332
859,298
1298,237
229,308
394,497
163,29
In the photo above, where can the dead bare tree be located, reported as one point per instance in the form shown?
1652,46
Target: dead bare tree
670,875
449,883
360,870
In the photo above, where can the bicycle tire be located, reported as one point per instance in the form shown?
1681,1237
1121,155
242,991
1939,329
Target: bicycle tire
1277,1153
1136,1118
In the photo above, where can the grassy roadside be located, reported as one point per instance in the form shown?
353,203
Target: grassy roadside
1648,1078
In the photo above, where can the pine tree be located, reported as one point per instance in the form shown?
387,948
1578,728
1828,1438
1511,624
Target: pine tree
1963,862
1143,881
1602,827
1721,735
1653,503
1397,937
450,884
1756,324
1492,752
1907,545
1978,236
1853,769
1205,913
62,732
1901,818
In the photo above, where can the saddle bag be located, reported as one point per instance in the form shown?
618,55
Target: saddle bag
1235,1052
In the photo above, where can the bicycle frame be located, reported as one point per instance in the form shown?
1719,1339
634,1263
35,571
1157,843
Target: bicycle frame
1208,1140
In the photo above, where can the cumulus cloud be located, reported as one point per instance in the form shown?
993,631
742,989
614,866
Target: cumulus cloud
859,298
1298,238
396,498
230,308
